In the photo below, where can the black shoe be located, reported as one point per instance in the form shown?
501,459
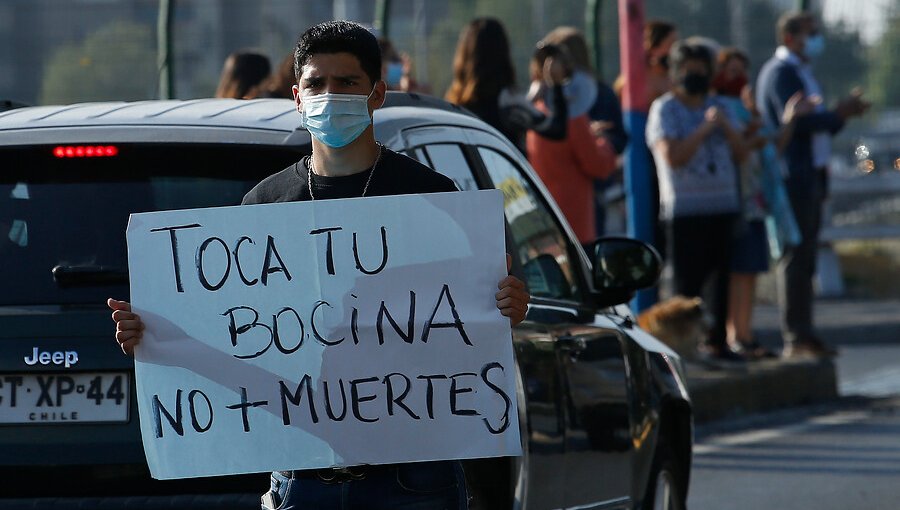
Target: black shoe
710,352
752,350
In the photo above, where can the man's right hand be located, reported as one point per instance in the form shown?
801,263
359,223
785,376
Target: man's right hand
129,327
799,105
852,105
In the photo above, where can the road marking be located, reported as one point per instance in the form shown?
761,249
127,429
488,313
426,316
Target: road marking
610,504
881,383
720,443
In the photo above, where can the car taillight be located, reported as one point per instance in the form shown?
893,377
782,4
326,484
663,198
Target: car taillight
85,151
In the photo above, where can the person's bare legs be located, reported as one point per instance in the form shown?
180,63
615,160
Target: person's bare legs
741,296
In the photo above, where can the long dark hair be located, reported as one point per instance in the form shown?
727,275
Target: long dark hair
482,67
655,32
242,73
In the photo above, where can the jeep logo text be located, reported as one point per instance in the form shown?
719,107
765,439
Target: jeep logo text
67,358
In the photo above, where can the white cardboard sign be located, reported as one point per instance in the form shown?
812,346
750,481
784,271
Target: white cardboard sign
330,333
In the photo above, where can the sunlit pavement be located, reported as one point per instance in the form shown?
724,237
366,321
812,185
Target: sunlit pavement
844,455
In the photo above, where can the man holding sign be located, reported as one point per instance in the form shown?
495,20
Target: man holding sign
338,66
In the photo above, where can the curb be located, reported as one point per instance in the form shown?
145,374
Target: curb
770,385
758,387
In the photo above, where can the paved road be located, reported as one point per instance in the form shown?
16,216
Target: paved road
869,370
843,456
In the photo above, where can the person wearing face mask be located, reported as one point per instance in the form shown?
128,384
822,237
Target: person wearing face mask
697,149
805,158
337,66
396,68
569,167
484,82
605,114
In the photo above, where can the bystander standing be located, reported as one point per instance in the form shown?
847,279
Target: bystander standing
696,147
750,248
484,81
806,157
605,113
569,167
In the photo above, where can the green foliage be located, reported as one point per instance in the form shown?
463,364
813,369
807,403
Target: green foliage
117,62
883,85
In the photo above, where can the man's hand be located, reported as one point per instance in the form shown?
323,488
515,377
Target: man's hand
512,300
852,105
129,326
799,105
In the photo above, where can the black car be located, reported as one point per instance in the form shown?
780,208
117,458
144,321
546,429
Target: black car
604,406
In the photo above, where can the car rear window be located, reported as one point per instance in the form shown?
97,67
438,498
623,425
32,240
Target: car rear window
63,219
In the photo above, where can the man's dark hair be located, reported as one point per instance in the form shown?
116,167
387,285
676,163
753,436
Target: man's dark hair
683,51
793,23
339,37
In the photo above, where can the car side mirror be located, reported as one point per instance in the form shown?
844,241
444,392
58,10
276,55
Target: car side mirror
623,266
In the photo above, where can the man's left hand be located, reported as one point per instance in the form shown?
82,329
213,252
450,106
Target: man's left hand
512,300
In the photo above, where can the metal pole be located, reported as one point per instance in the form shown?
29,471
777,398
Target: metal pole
637,159
592,27
383,17
164,52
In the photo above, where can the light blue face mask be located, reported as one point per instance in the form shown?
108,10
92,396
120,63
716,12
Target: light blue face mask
581,93
814,47
394,74
336,119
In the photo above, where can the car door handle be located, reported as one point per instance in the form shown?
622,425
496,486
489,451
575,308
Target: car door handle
571,343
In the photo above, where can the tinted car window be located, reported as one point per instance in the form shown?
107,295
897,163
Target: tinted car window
71,213
539,240
449,160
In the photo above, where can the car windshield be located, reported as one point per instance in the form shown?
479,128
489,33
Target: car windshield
63,219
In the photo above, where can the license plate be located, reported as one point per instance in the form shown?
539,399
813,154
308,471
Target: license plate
64,398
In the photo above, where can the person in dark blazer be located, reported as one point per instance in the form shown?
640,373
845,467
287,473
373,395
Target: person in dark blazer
806,159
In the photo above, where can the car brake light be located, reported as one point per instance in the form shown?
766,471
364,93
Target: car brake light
85,151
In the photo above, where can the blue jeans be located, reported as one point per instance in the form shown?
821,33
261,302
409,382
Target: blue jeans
414,486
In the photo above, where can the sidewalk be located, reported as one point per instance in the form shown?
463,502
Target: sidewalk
773,384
